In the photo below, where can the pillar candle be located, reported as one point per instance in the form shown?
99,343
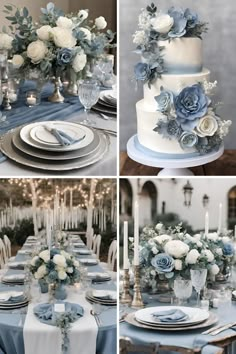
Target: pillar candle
136,234
125,260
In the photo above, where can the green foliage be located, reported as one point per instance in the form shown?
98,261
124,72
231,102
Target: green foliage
171,220
20,232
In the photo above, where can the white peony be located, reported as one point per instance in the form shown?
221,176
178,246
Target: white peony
176,248
59,260
154,250
162,238
219,252
199,243
159,226
43,32
192,257
79,61
17,61
36,51
64,22
214,269
197,237
5,41
213,236
83,14
139,37
63,37
41,272
87,33
45,255
178,264
34,260
162,23
62,275
70,270
100,23
208,254
153,272
207,126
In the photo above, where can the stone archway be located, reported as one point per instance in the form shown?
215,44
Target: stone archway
148,202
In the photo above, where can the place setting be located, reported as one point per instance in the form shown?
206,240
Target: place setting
99,277
102,297
107,104
13,279
12,300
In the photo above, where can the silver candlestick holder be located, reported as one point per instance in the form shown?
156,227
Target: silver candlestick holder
137,299
126,297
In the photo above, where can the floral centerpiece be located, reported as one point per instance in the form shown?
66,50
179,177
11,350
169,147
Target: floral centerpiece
62,239
57,268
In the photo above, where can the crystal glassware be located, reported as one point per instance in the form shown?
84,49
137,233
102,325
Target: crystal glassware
182,289
89,92
198,277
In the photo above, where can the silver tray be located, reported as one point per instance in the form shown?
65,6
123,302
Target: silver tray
8,149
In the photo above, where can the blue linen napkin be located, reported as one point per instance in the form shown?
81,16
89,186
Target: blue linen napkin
14,299
174,315
63,138
46,314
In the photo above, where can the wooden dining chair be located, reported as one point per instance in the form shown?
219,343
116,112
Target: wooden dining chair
127,346
111,259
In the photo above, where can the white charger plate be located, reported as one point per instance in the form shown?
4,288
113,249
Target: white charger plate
25,136
196,315
109,95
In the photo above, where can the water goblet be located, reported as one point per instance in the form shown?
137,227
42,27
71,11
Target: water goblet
182,289
198,277
88,94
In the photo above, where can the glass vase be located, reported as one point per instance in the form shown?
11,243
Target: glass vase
198,277
43,286
182,289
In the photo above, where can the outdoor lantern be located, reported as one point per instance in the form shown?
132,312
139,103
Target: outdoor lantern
205,200
188,191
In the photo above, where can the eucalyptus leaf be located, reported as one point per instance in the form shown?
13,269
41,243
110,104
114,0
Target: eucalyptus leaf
25,12
8,7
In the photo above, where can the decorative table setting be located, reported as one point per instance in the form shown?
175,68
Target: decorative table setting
59,68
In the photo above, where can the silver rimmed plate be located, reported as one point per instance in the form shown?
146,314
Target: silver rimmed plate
41,154
16,155
108,96
105,110
88,261
25,136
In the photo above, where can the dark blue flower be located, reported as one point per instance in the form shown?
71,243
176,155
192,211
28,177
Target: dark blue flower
192,18
64,56
180,22
228,249
163,263
165,101
188,140
191,104
142,71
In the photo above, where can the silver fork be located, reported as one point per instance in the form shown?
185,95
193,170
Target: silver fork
223,328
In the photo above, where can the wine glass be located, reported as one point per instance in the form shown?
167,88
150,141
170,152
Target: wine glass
182,289
89,92
198,277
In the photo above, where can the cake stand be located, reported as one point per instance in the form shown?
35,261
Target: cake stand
171,167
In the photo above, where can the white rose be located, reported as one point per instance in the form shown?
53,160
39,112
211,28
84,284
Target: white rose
70,270
5,41
63,37
45,255
59,260
100,23
176,248
154,250
198,237
83,14
162,238
153,272
207,126
219,252
213,236
79,61
192,257
178,264
87,33
17,61
34,260
139,37
214,269
36,51
44,32
225,239
199,243
208,254
159,226
131,239
76,264
64,22
162,23
42,271
62,275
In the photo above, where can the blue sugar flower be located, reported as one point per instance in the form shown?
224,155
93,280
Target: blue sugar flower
228,249
180,23
163,263
64,56
165,101
192,18
142,71
188,140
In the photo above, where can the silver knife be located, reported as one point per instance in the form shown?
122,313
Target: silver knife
223,328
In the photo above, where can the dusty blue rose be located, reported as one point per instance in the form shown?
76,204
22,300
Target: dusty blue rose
192,18
191,104
188,140
165,101
142,71
180,22
64,56
228,249
163,263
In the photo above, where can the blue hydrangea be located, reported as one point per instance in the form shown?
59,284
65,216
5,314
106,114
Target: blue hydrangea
64,56
192,18
228,249
163,263
142,71
180,22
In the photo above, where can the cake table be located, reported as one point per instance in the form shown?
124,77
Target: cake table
171,167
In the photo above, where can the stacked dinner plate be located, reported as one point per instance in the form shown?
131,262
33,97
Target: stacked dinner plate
103,297
97,277
88,261
107,103
34,146
13,279
11,300
82,252
17,265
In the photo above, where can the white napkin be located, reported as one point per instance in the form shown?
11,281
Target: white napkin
47,339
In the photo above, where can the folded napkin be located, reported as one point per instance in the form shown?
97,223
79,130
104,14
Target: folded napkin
12,297
47,315
170,316
63,138
102,296
15,265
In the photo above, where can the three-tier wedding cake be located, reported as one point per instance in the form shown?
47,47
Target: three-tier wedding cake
177,117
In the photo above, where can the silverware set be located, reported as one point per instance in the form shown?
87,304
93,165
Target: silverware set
219,328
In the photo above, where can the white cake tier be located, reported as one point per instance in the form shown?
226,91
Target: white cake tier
174,83
182,55
147,118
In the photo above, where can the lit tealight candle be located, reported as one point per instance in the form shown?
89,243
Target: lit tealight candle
215,303
31,100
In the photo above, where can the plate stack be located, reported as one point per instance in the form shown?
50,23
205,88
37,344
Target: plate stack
34,146
17,265
13,279
102,297
171,318
97,277
82,252
107,104
88,261
11,300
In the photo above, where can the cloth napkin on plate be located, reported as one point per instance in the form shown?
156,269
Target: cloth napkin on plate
174,315
11,297
46,314
63,138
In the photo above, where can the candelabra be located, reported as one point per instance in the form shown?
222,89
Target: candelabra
137,299
126,297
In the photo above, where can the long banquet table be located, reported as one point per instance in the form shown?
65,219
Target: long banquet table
71,110
12,323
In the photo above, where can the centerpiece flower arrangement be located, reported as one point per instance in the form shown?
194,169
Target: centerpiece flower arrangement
58,42
62,239
57,268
